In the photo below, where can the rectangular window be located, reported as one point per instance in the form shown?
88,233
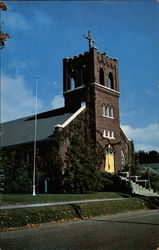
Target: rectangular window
108,134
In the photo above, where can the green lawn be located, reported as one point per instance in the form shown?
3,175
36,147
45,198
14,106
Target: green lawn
11,219
12,199
24,217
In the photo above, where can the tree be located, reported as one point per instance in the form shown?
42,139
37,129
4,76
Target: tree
7,169
2,179
142,156
3,7
14,172
3,36
21,183
133,167
147,157
83,167
154,179
153,157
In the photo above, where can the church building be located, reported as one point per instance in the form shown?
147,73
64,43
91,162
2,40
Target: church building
91,94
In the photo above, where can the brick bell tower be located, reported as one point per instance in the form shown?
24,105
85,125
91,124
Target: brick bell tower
92,78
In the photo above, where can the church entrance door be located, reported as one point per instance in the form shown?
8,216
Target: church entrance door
109,161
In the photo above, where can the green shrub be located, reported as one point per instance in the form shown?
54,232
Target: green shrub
22,217
113,183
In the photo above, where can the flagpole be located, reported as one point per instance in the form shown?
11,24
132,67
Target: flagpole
35,135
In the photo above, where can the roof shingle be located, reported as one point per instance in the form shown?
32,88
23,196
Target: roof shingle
22,130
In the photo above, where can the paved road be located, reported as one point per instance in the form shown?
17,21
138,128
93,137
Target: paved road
138,230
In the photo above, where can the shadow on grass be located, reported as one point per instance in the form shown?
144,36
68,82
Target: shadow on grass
77,210
124,195
151,202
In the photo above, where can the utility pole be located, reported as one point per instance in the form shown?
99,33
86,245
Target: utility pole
149,182
35,135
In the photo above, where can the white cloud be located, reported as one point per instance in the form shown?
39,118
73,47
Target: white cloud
144,138
57,102
17,100
43,18
19,65
15,21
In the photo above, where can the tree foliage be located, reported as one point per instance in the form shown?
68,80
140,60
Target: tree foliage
3,7
14,172
133,166
83,163
154,179
147,157
3,36
113,183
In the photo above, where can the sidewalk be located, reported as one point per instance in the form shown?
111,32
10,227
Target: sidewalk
61,203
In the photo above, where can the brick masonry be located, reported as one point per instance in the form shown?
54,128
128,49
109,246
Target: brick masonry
96,82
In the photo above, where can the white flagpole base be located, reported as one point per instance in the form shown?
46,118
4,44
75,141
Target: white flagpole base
34,194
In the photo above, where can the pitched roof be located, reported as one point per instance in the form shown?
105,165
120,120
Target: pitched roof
22,130
154,167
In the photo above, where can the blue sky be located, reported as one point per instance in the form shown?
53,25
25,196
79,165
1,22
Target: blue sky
44,32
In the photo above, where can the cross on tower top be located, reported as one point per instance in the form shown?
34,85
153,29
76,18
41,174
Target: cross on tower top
90,40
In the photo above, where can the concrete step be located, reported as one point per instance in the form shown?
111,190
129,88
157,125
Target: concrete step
138,189
145,192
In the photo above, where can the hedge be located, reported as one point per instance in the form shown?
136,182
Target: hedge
21,217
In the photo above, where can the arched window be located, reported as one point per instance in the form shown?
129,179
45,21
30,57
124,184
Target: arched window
81,78
73,85
109,151
122,159
101,76
111,111
107,111
103,109
110,81
85,76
